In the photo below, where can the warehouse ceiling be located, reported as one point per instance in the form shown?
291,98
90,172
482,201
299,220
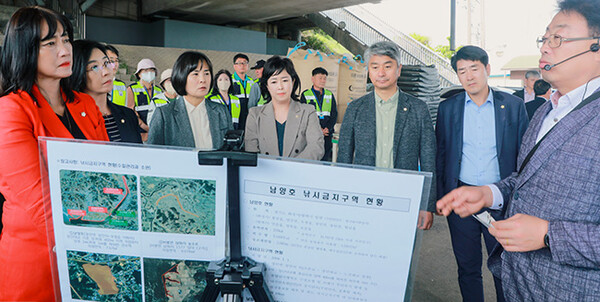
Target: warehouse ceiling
239,12
278,18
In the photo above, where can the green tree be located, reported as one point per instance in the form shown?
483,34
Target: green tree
313,42
319,40
423,39
442,50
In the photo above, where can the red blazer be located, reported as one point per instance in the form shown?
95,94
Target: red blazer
25,269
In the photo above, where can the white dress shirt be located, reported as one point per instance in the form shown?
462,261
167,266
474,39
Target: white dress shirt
561,106
200,126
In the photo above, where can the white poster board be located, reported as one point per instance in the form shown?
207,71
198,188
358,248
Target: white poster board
133,223
330,233
141,223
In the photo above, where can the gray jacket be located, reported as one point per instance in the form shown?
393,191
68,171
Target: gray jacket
303,137
414,138
560,184
171,125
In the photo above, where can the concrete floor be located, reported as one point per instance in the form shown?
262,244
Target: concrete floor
437,278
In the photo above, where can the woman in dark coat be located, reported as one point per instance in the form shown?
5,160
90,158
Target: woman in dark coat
93,74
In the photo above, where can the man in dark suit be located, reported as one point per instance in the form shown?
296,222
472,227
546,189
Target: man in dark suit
550,239
478,136
542,91
389,128
527,94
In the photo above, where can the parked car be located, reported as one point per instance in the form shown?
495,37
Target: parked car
452,90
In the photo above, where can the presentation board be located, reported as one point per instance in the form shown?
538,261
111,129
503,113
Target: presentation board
140,223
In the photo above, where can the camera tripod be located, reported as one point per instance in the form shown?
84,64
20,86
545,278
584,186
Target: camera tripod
231,275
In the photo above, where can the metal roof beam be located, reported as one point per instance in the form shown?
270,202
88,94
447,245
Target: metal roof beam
86,5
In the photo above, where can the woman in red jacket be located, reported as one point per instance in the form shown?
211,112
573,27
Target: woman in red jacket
35,61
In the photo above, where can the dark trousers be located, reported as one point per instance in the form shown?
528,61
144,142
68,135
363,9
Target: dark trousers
465,234
328,146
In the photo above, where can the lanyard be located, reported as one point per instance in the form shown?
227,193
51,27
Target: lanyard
225,103
222,100
588,100
318,104
149,93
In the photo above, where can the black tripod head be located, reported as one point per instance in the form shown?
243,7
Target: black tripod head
233,141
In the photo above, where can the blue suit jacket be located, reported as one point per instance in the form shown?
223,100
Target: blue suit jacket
511,123
560,184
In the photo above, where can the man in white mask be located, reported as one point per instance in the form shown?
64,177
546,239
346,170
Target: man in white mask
140,93
168,95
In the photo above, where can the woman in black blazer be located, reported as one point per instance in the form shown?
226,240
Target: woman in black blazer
93,74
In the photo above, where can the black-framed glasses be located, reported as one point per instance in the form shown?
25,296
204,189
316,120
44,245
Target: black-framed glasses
555,41
98,68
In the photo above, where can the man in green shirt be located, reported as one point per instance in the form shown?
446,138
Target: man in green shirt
388,128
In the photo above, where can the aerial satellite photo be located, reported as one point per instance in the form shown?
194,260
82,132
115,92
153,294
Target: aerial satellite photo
168,280
178,205
101,200
103,277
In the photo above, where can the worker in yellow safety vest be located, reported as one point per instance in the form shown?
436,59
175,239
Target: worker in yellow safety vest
168,95
140,93
325,104
118,95
242,85
222,93
258,70
256,98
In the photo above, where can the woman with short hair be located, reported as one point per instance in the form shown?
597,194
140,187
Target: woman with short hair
189,121
283,126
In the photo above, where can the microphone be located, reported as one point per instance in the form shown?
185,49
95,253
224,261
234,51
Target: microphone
593,48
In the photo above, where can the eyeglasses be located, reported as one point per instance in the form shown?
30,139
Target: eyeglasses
241,63
555,41
99,68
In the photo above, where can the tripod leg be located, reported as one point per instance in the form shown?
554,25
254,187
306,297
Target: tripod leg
255,282
232,298
211,292
259,291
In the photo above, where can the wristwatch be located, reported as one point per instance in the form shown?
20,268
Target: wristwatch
547,240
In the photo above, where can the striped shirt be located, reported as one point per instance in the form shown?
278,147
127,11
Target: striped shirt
111,128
